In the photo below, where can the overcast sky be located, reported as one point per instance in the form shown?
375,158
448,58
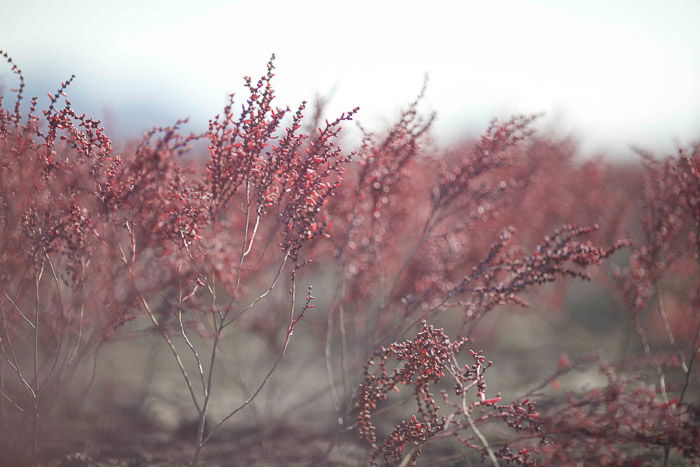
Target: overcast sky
615,72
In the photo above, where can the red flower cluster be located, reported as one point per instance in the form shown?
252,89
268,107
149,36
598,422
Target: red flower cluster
423,362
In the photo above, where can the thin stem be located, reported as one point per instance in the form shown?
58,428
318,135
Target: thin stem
173,350
478,432
11,401
35,361
691,362
251,398
19,311
200,368
329,366
8,353
247,401
261,296
669,334
647,350
207,394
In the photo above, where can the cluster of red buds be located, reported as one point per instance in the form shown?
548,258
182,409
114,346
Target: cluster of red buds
424,362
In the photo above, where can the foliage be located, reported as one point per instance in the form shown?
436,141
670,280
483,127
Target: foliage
94,238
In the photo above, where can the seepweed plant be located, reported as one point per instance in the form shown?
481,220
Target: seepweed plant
94,237
450,209
59,302
192,248
264,193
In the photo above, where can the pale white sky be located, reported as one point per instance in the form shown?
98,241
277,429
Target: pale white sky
617,72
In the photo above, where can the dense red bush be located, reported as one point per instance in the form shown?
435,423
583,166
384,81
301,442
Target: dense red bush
92,237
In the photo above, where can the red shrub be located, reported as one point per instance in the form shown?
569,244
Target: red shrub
92,237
